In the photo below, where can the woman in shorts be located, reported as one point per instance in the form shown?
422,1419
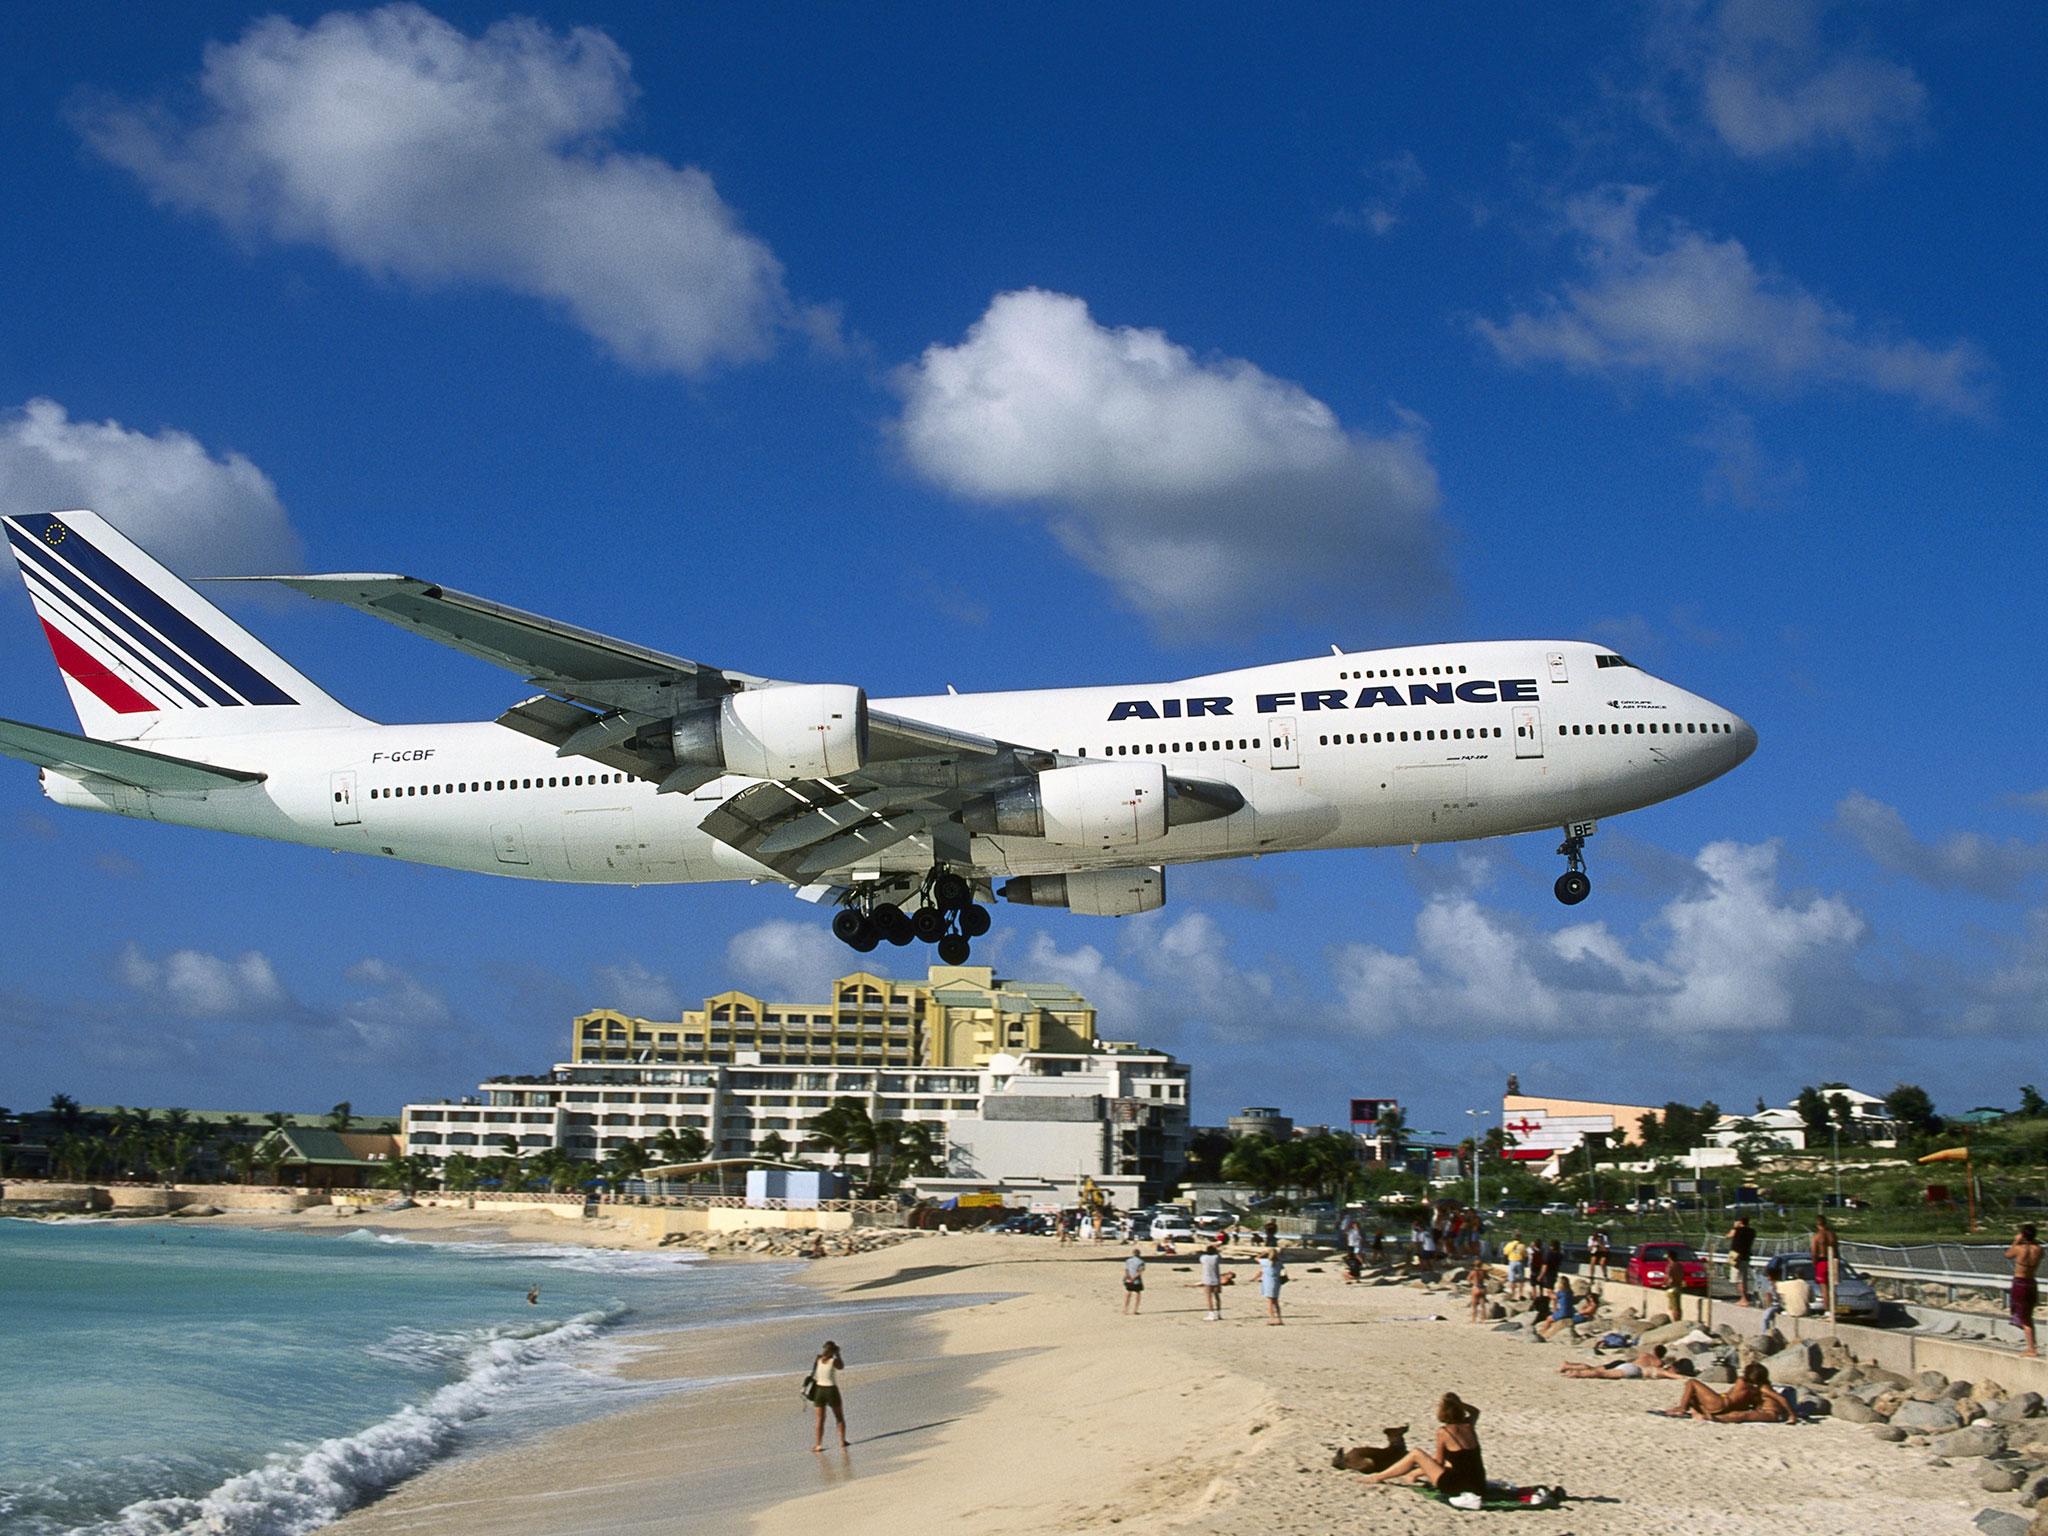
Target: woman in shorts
825,1392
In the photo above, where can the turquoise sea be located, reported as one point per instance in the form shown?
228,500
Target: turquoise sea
157,1377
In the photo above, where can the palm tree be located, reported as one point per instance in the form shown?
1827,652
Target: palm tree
680,1144
773,1147
341,1117
65,1109
242,1157
842,1127
408,1175
461,1172
919,1148
624,1163
1251,1160
557,1169
273,1149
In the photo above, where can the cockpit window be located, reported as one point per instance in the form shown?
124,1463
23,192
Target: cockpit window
1613,661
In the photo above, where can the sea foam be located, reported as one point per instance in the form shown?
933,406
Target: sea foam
298,1492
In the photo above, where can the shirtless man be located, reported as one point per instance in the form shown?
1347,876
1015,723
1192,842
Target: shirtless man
2025,1254
1650,1362
1824,1246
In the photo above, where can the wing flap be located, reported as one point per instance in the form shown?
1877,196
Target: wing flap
65,753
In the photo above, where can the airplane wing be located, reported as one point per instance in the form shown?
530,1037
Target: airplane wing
80,755
613,702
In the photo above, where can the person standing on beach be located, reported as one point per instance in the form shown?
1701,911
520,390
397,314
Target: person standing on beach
1516,1252
1741,1243
1212,1281
1272,1234
1824,1246
825,1392
1134,1283
2025,1254
1596,1254
1478,1292
1272,1275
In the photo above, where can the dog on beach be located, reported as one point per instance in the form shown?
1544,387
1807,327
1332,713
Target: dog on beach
1374,1458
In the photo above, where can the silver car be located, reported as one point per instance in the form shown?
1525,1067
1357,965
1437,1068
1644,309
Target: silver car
1855,1297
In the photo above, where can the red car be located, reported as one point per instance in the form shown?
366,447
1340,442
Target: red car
1651,1263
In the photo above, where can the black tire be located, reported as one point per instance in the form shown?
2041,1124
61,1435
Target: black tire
892,924
1573,887
975,921
953,951
868,939
950,893
847,925
929,924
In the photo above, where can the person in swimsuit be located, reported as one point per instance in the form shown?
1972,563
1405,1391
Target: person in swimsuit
1752,1400
1478,1292
825,1392
1454,1465
2025,1254
1650,1362
533,1297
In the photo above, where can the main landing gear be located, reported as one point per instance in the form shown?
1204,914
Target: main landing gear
946,915
1572,886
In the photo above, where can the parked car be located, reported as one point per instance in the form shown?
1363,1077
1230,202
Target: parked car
1558,1208
1855,1297
1214,1221
1650,1265
1027,1225
1172,1227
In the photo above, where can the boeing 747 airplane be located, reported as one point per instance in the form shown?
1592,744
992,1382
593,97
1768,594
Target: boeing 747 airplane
630,766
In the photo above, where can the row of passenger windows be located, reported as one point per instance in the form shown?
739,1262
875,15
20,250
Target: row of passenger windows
1401,672
484,786
1648,728
1174,748
1361,738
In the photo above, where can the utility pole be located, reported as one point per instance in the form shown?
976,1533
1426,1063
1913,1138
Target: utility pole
1477,1147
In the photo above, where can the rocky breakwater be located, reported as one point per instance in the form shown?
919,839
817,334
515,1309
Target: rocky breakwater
780,1243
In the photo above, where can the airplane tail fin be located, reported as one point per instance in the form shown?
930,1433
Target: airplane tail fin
142,652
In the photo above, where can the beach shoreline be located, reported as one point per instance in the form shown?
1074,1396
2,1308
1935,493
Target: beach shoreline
1023,1401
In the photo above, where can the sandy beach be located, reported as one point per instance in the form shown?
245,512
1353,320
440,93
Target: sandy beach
1002,1391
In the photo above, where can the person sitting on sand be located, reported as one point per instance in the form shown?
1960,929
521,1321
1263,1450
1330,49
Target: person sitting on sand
1752,1400
1454,1465
1651,1362
1564,1309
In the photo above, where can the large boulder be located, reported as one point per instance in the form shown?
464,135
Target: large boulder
1931,1381
1934,1417
1999,1522
1666,1332
1799,1356
1887,1432
1977,1440
1996,1477
1851,1409
1832,1354
2011,1410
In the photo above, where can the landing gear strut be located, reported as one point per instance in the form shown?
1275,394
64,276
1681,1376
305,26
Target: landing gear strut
946,916
1572,886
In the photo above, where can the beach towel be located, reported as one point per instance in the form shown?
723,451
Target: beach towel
1499,1496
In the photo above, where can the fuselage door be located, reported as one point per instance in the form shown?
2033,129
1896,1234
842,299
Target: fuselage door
1528,730
1286,754
343,786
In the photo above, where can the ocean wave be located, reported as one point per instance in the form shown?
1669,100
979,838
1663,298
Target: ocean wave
295,1493
583,1260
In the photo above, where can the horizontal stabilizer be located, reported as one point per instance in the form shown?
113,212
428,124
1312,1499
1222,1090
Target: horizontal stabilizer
69,754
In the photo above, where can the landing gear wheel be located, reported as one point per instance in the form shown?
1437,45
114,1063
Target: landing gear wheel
929,924
974,921
891,923
1573,887
950,893
953,951
848,926
868,937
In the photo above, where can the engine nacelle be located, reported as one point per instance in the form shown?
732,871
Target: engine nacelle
1093,892
1101,805
801,731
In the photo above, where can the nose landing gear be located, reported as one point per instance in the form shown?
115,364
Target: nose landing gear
946,917
1573,886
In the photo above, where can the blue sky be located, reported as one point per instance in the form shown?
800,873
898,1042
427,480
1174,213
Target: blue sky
908,346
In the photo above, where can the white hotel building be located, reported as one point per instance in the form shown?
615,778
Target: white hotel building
1030,1126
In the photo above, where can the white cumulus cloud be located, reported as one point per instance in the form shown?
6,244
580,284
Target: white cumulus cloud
213,514
1689,309
1732,955
1203,491
202,986
1773,79
792,961
633,989
410,149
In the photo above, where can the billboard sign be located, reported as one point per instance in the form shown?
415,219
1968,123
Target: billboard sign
1367,1113
1536,1134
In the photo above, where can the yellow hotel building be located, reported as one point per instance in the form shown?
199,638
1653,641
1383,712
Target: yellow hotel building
957,1016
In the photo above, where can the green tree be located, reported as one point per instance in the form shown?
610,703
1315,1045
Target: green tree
461,1172
341,1117
408,1174
2032,1105
679,1144
557,1170
242,1157
774,1146
1843,1113
1206,1151
625,1163
1254,1160
1913,1108
841,1128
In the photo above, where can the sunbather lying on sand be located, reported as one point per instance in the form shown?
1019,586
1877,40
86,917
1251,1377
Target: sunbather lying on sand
1650,1362
1752,1400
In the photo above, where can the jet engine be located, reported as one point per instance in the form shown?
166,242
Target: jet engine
1100,805
1093,892
798,731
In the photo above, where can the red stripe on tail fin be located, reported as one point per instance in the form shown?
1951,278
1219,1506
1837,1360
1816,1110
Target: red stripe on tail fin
96,678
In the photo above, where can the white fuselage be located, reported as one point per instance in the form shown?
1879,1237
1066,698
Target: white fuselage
1417,744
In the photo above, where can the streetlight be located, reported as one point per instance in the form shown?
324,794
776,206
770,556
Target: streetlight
1476,1145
